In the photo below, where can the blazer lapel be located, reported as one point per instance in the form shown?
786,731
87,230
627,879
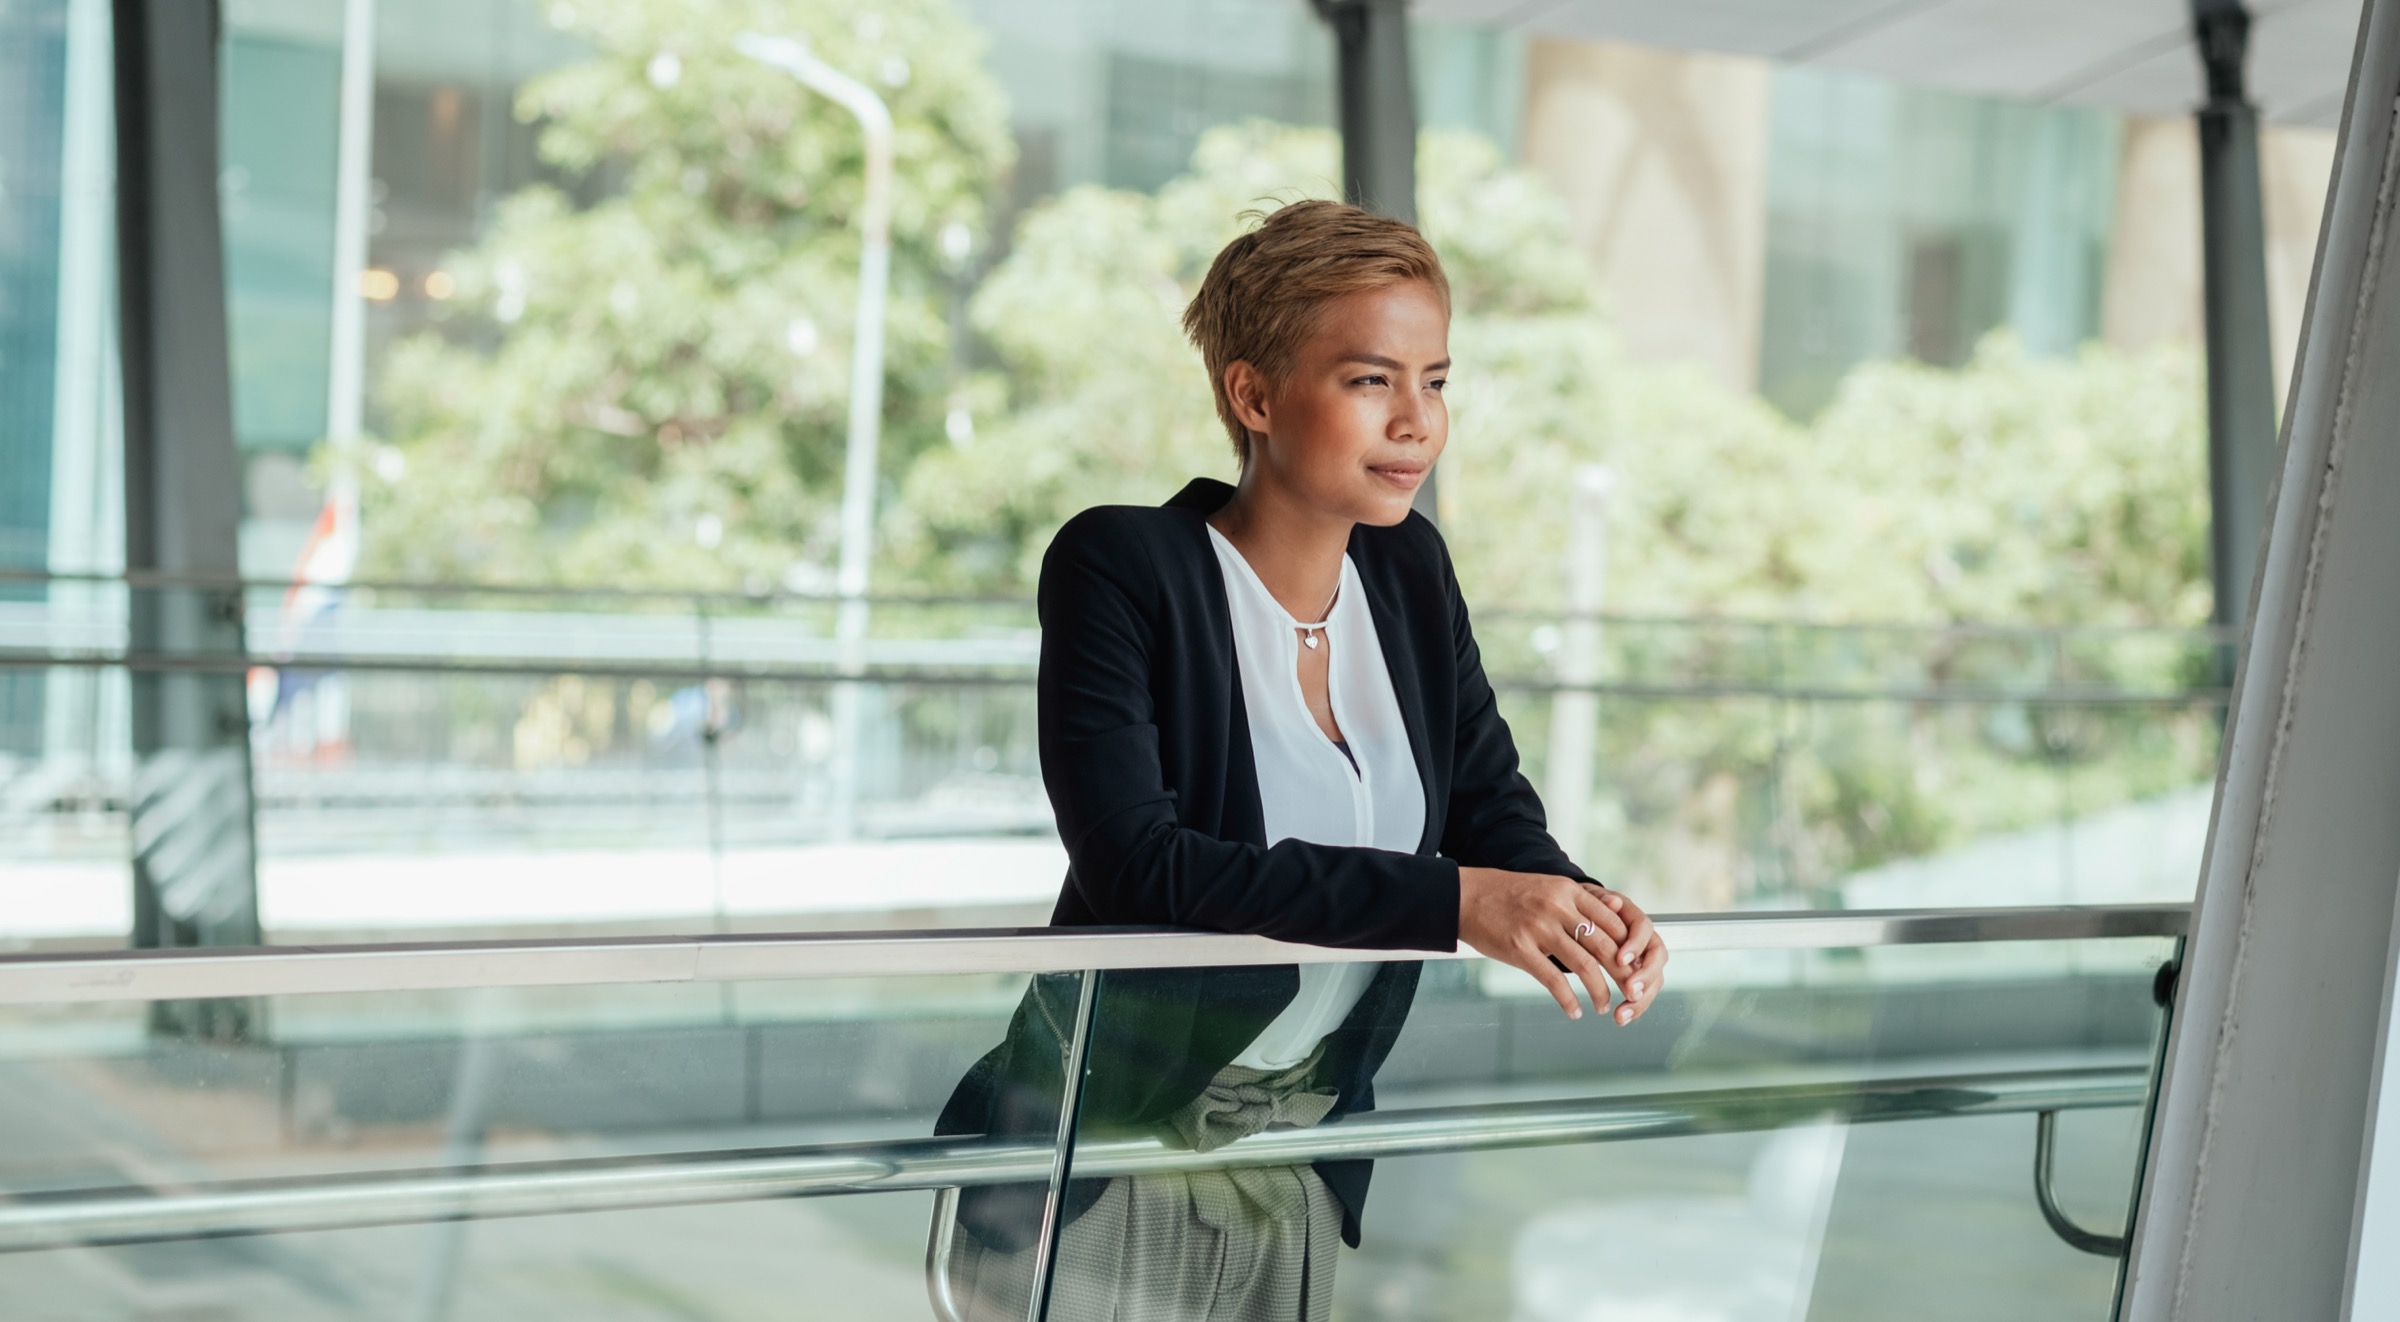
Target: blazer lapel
1400,657
1243,816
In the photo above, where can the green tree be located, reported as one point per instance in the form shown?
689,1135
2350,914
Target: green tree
651,389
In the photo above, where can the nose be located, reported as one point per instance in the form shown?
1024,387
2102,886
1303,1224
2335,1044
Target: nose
1412,417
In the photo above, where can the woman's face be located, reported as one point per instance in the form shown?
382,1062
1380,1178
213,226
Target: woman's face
1354,430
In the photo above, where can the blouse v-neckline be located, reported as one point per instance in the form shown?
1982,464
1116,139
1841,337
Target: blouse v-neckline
1306,635
1250,575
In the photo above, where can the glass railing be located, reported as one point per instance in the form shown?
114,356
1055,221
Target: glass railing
1858,1115
425,762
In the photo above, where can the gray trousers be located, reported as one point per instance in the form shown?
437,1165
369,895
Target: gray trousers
1247,1244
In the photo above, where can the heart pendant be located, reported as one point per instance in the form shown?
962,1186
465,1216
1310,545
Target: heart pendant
1310,639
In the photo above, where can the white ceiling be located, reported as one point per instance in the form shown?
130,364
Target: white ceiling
2131,55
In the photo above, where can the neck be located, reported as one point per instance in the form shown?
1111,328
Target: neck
1296,551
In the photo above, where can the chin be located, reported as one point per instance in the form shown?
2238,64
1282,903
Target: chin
1386,510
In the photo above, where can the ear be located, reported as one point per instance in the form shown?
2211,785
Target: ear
1246,389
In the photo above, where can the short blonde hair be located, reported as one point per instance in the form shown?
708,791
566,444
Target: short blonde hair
1265,293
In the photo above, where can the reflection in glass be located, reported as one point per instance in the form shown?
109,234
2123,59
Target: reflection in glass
640,1109
1836,1133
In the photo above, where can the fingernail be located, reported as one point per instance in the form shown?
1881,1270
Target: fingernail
1576,1013
1638,987
1625,1016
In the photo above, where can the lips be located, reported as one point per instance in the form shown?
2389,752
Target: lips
1407,475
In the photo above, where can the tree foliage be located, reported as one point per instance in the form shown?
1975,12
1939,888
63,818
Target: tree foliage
651,389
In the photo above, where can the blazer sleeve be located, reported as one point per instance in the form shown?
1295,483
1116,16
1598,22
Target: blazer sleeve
1494,818
1131,858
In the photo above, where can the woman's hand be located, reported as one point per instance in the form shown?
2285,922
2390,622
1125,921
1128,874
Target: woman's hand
1644,951
1529,919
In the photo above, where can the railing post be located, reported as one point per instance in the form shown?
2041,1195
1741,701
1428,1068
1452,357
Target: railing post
1062,1161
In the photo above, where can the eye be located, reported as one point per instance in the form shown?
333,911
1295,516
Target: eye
1437,384
1375,380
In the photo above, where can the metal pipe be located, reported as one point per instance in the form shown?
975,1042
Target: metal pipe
1062,1156
907,661
938,1239
2045,1156
866,389
532,1189
136,976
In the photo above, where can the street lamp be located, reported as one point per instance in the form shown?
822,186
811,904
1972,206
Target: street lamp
866,391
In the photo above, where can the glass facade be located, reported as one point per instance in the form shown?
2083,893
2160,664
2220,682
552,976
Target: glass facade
1898,602
1907,223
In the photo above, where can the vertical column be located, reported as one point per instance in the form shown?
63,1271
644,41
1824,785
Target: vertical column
1377,105
194,858
82,711
2233,258
2253,1200
1575,711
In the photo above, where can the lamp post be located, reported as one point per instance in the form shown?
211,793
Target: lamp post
866,392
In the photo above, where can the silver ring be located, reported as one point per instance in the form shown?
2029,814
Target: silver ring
1585,929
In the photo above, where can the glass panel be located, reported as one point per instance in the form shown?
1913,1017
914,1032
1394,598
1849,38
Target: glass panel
639,1127
1821,1133
586,762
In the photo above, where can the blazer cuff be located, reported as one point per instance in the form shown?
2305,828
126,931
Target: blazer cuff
1436,927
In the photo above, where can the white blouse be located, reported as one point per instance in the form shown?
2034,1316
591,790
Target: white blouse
1307,789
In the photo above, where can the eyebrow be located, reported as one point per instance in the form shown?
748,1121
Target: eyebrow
1388,364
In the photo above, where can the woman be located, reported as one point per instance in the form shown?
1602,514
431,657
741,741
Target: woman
1262,710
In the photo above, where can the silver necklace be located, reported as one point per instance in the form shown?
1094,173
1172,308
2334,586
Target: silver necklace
1310,633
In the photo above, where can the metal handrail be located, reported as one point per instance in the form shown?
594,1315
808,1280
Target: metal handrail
137,976
153,580
119,1216
1017,673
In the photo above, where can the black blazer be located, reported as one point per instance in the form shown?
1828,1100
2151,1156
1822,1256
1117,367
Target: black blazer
1145,751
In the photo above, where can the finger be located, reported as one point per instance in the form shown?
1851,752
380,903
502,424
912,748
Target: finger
1640,934
1595,909
1651,988
1654,956
1609,910
1594,942
1579,959
1538,963
1644,990
1643,984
